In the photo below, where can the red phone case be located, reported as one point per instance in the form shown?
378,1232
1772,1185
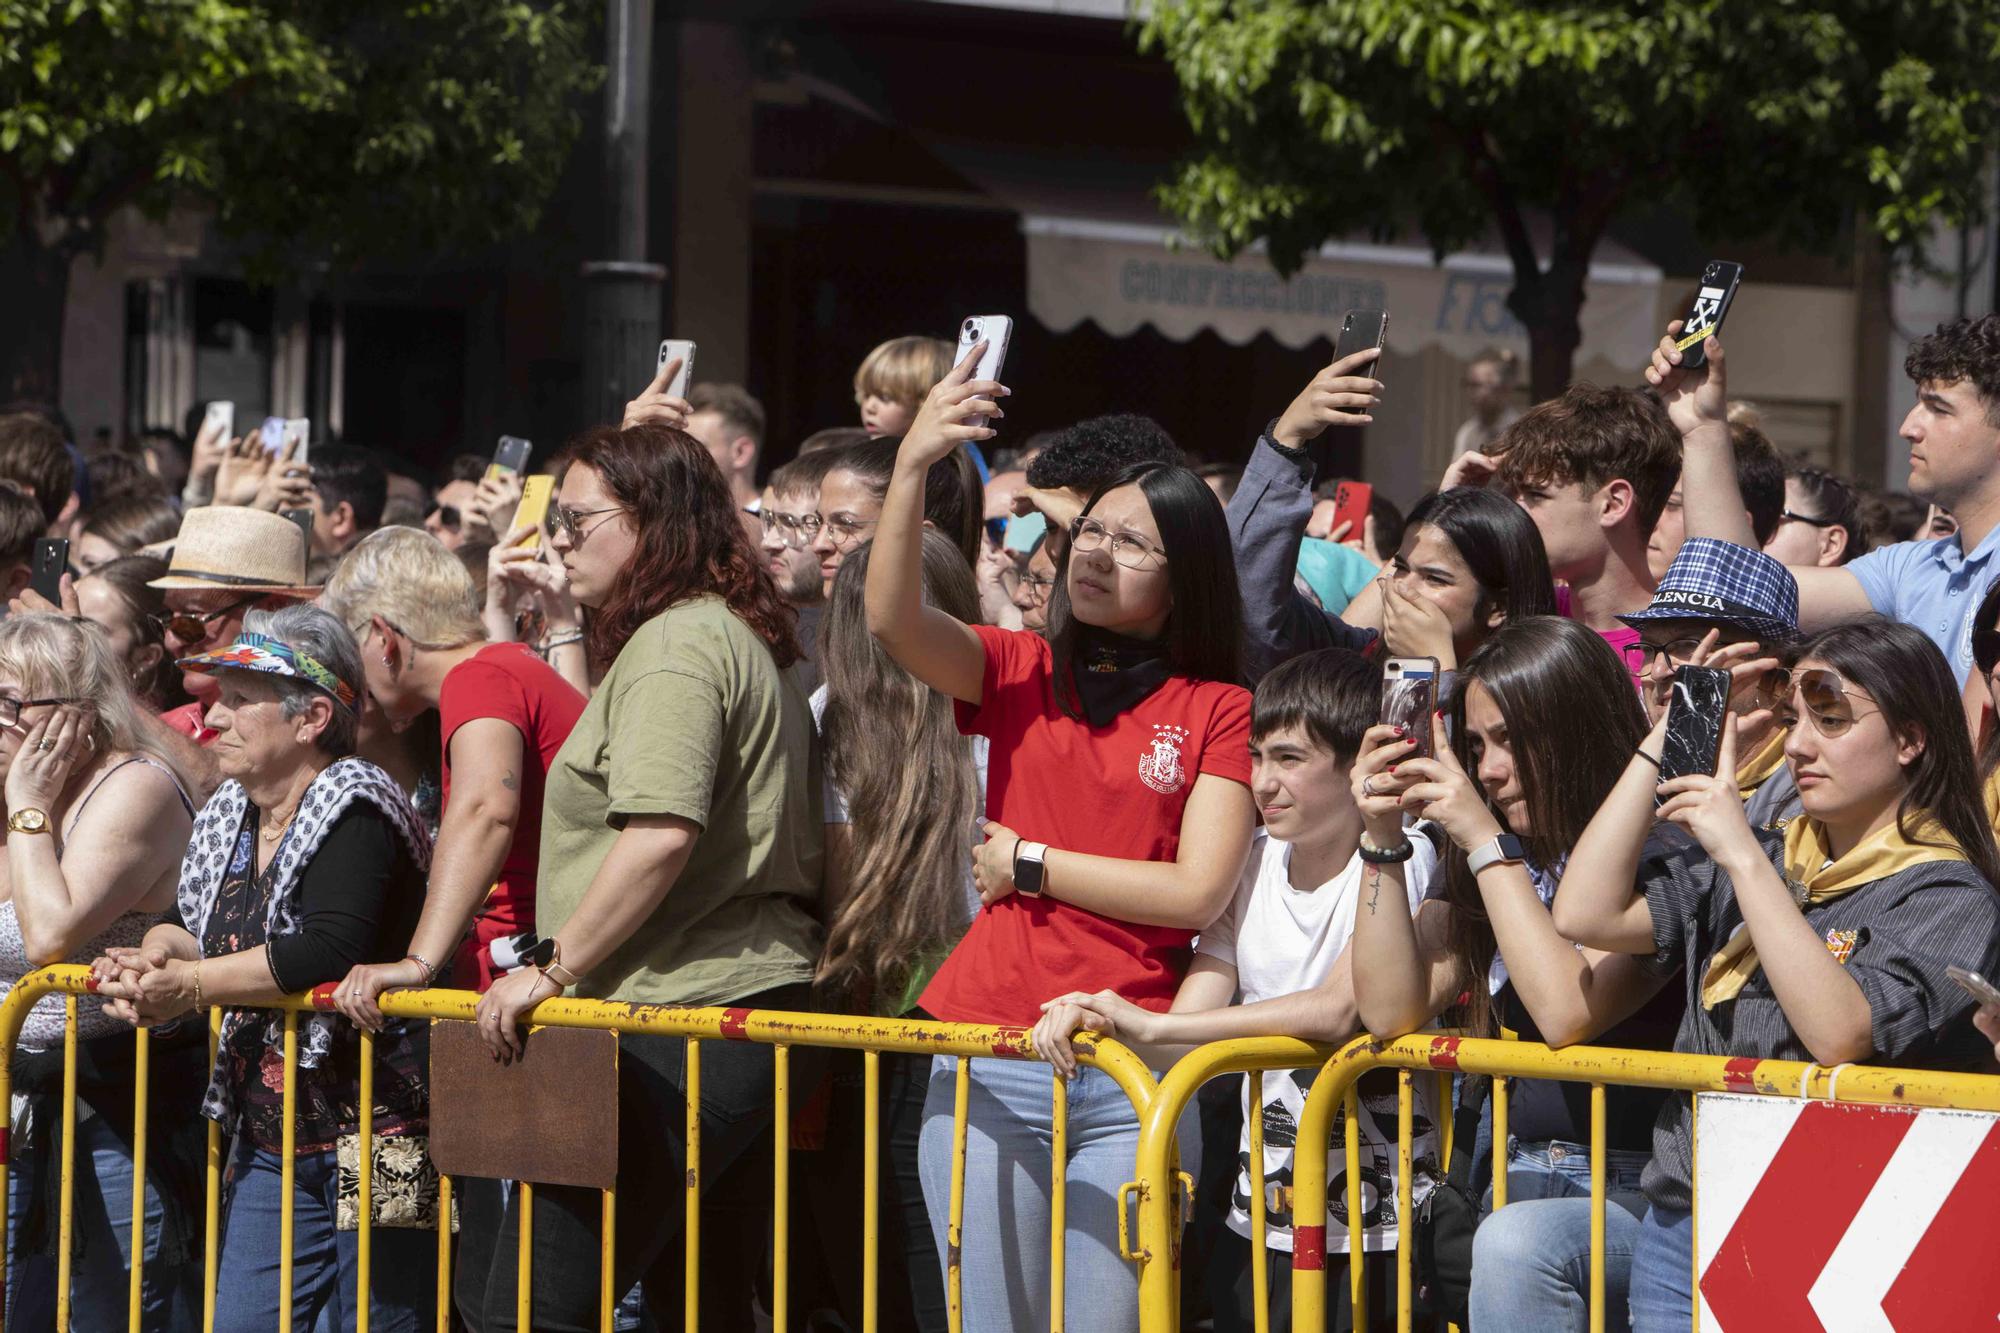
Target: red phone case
1350,506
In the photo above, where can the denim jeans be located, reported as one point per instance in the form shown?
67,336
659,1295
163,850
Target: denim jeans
737,1096
1004,1256
99,1274
1531,1259
1663,1273
403,1264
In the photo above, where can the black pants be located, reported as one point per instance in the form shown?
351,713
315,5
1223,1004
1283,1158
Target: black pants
1235,1312
910,1282
737,1089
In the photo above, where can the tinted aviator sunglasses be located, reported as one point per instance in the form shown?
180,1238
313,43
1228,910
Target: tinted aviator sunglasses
1818,695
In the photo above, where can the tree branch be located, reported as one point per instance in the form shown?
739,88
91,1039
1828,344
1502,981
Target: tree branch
1500,198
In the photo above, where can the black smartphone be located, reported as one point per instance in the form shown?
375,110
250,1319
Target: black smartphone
1409,699
303,518
1711,303
1359,331
45,574
1695,712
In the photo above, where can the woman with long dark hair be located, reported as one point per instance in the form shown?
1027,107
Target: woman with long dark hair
680,858
1543,719
1120,819
905,799
1828,941
1470,561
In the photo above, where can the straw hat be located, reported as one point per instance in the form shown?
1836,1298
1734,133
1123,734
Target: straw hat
249,550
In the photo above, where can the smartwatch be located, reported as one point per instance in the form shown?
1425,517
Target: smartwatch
542,954
1028,858
1504,848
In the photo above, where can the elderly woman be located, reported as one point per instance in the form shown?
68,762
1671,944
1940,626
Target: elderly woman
98,813
305,862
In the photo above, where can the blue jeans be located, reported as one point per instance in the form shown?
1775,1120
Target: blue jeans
1663,1273
403,1267
1531,1259
101,1266
1004,1257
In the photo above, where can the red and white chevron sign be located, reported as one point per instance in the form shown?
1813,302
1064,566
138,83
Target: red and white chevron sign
1816,1216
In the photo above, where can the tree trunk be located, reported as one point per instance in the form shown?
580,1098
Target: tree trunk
34,288
1548,304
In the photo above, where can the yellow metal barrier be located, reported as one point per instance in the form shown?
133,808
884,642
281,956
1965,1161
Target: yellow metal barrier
1340,1068
781,1031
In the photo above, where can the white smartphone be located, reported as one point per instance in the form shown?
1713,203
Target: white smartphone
1978,987
996,331
298,429
221,416
684,349
272,434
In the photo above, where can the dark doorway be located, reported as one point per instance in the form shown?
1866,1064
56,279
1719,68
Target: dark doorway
404,386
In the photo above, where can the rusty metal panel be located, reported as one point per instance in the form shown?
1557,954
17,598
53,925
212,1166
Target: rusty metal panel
550,1118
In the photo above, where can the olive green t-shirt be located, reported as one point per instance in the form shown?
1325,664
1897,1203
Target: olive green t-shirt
694,719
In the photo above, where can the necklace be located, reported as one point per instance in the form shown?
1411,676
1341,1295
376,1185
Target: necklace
275,827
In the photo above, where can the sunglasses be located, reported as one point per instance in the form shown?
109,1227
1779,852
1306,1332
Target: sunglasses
194,626
1817,695
448,516
1793,516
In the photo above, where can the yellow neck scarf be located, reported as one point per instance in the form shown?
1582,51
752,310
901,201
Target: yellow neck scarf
1753,772
1991,793
1813,880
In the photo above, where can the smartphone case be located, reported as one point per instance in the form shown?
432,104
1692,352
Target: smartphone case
996,331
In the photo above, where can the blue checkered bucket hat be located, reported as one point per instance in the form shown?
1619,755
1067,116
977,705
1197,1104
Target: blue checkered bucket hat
1719,581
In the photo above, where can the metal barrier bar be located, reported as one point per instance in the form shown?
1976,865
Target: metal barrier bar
781,1189
142,1074
524,1271
871,1189
286,1175
607,1286
954,1279
691,1281
1405,1126
444,1255
1058,1202
1597,1132
66,1225
1500,1136
212,1197
1260,1276
365,1226
1357,1274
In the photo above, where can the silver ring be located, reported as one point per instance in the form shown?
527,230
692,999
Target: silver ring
45,745
1368,785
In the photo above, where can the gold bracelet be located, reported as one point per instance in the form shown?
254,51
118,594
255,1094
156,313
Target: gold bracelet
197,984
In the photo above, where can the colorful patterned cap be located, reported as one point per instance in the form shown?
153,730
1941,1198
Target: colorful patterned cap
258,652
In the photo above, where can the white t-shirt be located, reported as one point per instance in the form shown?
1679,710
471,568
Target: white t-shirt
837,811
1283,940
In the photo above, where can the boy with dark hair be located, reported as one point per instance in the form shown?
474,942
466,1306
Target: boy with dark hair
730,425
1275,964
1593,468
1953,432
348,491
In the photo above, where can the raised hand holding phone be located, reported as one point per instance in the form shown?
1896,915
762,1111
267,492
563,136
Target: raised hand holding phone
956,411
662,402
1342,394
1687,366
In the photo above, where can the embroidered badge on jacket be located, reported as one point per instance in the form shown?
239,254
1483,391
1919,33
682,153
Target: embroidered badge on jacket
1160,768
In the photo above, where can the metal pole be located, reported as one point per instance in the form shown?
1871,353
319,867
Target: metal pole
622,290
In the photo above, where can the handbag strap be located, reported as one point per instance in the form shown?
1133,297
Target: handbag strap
1465,1129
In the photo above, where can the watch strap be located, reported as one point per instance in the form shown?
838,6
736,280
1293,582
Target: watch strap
1505,847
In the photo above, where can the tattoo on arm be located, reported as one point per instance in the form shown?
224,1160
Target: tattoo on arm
510,782
1374,887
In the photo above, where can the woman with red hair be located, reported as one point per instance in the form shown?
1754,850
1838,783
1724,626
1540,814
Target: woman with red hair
680,858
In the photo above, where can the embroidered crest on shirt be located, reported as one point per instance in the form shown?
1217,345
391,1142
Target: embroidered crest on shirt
1840,943
1160,767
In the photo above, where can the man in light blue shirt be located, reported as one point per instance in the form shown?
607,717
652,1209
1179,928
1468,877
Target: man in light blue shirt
1953,432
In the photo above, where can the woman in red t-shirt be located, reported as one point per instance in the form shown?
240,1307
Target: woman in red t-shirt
504,713
1111,740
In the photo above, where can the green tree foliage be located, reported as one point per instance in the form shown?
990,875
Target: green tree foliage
1755,118
317,133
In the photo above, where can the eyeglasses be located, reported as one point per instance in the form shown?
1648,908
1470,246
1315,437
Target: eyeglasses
10,708
195,626
570,521
1679,652
448,516
1038,587
1087,534
796,530
1793,516
844,532
1824,696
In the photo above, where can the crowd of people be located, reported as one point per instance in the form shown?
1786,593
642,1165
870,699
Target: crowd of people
1076,733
